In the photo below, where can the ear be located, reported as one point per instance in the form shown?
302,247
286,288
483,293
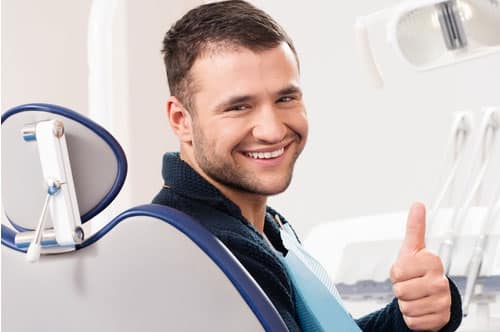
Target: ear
180,119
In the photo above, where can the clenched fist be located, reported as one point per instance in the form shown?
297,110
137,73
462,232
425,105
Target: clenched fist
418,279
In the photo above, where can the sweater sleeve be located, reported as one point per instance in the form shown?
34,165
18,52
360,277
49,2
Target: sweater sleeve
390,318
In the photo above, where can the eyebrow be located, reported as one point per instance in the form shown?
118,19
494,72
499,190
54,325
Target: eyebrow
235,100
291,89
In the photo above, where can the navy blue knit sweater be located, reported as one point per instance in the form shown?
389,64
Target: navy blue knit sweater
184,189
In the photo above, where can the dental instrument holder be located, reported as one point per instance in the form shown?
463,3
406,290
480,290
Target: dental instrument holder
61,199
478,253
364,279
489,125
459,138
474,263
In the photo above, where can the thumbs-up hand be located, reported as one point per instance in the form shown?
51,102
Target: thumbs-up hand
418,279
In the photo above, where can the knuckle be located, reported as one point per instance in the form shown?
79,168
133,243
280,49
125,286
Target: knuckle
439,285
395,273
411,322
445,303
430,259
443,319
405,308
443,284
448,303
398,290
436,262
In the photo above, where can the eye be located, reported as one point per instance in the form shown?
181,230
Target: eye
286,99
240,107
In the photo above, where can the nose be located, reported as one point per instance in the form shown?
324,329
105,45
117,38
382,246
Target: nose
269,126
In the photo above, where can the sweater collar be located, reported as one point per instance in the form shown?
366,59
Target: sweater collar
184,180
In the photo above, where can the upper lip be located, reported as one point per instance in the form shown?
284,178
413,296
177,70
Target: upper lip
271,148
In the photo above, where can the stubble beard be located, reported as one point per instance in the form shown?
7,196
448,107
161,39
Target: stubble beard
226,172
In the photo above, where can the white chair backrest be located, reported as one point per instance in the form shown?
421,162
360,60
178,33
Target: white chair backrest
151,268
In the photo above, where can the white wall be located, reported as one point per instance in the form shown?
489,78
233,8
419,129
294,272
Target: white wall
149,134
44,57
369,150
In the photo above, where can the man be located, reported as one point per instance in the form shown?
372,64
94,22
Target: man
236,106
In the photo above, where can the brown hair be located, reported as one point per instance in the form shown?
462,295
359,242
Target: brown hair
213,26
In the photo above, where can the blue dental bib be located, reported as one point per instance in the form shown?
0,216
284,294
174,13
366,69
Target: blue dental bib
317,301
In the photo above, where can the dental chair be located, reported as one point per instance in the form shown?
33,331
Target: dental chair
151,268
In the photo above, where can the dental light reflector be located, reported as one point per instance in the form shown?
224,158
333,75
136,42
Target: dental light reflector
428,34
451,25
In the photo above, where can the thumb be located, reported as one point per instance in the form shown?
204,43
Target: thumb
414,240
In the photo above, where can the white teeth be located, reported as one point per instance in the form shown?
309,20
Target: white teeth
277,153
266,155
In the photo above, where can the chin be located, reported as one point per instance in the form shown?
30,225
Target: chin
273,189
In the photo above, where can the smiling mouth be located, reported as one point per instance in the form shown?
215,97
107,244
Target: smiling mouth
266,155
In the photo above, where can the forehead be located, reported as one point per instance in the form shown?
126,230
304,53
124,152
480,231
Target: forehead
223,72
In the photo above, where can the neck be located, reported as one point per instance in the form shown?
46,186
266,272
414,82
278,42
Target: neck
252,206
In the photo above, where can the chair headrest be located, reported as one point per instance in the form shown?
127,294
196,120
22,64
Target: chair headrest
98,164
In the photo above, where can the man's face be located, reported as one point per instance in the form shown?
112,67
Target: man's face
249,123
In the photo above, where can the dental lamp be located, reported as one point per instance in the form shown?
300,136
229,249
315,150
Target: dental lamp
428,34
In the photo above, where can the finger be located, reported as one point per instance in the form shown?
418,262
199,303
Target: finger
408,267
432,322
419,288
411,290
407,270
425,306
414,239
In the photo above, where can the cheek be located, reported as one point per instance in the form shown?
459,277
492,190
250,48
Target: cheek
234,129
225,134
299,124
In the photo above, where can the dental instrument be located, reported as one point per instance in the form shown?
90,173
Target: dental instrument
483,150
475,263
459,137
